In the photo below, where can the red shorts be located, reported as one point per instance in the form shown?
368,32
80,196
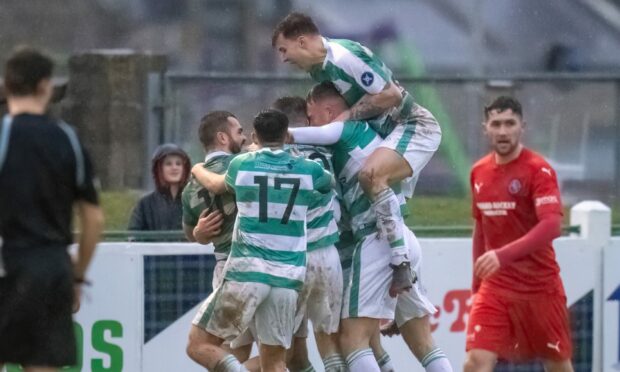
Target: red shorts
520,330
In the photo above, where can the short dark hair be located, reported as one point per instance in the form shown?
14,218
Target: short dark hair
294,25
271,126
211,124
294,107
24,70
323,90
502,104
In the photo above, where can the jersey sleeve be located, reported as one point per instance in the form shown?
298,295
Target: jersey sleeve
321,178
86,189
545,191
323,135
189,218
231,174
366,69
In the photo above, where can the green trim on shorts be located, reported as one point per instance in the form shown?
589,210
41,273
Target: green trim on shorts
355,282
271,280
403,142
206,316
397,244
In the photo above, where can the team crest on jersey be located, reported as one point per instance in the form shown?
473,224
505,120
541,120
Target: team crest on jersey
514,186
367,78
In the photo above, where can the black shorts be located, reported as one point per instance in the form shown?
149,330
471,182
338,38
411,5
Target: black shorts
36,297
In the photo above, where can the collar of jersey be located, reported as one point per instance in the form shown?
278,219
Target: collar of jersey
328,56
213,154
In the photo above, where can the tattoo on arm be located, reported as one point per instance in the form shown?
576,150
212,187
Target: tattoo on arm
365,108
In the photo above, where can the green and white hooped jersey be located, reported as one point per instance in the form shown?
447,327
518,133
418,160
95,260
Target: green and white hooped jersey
353,68
196,199
273,191
357,141
322,225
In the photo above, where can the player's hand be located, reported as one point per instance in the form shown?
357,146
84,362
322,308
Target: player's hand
389,328
344,116
197,166
486,265
209,226
252,147
77,294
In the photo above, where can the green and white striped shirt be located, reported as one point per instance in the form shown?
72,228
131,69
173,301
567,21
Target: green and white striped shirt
357,141
273,192
322,213
196,199
353,68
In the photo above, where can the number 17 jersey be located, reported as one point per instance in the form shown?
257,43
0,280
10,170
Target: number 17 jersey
273,190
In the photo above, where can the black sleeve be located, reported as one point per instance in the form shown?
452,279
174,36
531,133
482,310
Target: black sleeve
86,190
137,221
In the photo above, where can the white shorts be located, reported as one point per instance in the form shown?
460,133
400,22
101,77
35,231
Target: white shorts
321,297
371,277
416,139
231,308
218,274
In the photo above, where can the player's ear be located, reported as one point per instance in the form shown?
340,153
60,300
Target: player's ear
254,137
302,41
221,137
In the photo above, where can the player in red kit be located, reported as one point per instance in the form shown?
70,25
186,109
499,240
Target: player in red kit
519,306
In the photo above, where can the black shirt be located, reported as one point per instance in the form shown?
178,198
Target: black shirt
157,211
44,172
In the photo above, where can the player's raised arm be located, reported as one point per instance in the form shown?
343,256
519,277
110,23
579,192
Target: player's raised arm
211,181
324,135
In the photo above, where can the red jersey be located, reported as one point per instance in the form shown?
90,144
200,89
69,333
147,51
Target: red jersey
508,201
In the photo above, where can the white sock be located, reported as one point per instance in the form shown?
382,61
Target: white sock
436,361
229,364
335,363
362,360
390,223
385,363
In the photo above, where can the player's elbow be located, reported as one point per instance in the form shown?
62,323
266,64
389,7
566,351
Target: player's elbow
391,96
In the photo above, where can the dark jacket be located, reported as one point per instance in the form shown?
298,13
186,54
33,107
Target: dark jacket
157,210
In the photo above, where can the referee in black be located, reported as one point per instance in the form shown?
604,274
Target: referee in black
44,174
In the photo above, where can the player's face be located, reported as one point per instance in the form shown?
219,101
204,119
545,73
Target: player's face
293,51
236,137
319,113
504,130
172,169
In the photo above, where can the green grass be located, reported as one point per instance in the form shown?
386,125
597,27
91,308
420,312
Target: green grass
117,207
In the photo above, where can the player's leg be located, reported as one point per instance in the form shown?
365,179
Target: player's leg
275,324
490,332
383,168
355,334
297,356
413,311
324,305
479,360
204,349
402,156
366,300
383,358
230,308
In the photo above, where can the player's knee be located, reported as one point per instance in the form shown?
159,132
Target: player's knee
191,347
